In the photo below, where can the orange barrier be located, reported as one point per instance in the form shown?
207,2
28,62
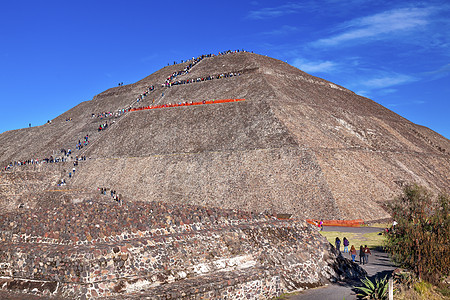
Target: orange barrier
343,223
186,104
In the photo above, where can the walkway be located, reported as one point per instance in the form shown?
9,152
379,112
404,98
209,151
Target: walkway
379,265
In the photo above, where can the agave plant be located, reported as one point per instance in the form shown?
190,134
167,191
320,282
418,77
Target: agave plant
374,290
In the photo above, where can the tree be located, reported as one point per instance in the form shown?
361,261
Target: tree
420,241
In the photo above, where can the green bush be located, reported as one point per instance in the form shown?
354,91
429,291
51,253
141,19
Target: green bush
422,287
445,291
420,241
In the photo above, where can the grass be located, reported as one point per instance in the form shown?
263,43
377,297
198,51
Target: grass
445,292
423,291
381,225
372,240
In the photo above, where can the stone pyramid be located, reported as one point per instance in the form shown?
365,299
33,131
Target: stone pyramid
292,144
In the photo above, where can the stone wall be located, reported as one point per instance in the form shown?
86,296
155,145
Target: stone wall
99,248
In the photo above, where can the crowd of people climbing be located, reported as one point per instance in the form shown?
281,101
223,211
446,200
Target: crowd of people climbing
114,195
171,82
102,126
108,114
85,142
68,155
121,111
220,53
145,94
200,79
192,63
47,160
63,156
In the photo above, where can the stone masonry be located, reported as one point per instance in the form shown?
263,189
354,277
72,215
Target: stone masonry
98,248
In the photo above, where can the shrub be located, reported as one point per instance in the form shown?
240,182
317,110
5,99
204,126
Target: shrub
420,241
445,291
377,290
422,287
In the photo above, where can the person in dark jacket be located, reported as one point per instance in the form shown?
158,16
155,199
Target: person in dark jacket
337,242
361,255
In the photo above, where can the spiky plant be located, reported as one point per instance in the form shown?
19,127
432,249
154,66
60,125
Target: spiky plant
373,290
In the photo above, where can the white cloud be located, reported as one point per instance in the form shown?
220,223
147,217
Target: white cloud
387,81
314,66
284,30
273,12
387,91
362,93
379,26
407,103
438,73
379,83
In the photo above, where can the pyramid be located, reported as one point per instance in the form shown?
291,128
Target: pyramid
287,143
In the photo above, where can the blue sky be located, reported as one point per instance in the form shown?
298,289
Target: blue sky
56,54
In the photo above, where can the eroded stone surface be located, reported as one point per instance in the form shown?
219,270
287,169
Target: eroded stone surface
98,248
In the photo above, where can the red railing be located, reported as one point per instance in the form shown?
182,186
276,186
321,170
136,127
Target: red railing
344,223
186,104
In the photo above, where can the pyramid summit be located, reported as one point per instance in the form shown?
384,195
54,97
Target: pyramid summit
237,131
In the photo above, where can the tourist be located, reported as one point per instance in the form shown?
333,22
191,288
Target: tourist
366,254
361,255
353,253
321,221
393,225
346,243
337,242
